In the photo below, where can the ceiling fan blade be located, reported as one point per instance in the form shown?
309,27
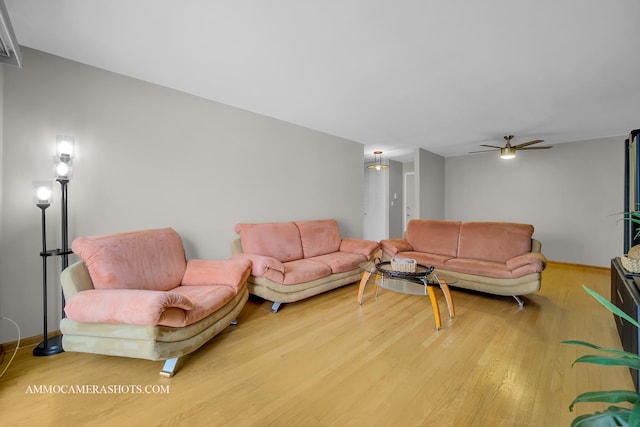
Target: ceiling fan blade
524,144
490,146
482,151
535,148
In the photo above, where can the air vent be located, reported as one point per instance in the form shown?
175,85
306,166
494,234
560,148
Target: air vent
9,48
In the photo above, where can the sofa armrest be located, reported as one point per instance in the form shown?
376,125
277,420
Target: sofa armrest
534,262
260,264
123,306
229,272
393,246
359,246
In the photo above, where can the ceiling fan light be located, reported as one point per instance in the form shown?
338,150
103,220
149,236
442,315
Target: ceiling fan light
507,153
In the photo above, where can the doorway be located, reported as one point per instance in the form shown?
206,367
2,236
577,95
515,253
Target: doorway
409,196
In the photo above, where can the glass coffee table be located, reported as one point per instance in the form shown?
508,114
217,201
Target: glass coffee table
420,282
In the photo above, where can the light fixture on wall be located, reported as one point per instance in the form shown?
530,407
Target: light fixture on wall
63,172
377,162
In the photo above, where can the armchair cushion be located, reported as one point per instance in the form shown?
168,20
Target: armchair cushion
148,259
231,272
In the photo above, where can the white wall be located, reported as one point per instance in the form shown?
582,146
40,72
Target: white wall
148,156
568,193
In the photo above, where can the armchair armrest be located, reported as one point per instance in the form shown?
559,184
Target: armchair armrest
532,262
124,306
359,246
75,278
260,264
393,246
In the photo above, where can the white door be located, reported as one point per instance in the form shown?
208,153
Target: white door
409,198
374,205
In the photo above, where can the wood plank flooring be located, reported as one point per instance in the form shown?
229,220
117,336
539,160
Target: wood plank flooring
328,361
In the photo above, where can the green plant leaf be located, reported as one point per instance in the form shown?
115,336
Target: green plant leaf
634,417
611,307
607,396
609,361
612,417
606,350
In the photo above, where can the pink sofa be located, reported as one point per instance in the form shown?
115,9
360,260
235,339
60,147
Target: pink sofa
295,260
495,257
134,294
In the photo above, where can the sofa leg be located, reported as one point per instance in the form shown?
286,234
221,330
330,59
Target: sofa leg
275,307
169,367
519,300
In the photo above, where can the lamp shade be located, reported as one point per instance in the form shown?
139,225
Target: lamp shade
507,153
62,168
65,147
42,192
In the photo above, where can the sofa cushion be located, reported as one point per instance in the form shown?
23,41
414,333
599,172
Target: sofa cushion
319,237
146,259
279,240
339,262
478,267
429,260
494,241
433,236
304,270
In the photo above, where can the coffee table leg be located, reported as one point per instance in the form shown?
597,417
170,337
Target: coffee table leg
434,304
363,284
447,296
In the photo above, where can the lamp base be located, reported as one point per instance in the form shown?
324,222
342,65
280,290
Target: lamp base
53,346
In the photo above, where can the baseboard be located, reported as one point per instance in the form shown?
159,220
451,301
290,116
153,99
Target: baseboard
26,342
570,264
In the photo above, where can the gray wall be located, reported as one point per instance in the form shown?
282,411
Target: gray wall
395,200
430,185
569,193
150,157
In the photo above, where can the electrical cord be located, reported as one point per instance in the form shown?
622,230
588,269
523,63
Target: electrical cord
17,345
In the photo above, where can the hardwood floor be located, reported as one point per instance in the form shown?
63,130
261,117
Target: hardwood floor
327,361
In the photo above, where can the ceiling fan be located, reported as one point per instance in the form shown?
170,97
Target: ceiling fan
509,151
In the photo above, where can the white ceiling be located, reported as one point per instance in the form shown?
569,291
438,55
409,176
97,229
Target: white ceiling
444,75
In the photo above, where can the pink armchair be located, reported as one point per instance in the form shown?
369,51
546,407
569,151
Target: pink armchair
134,294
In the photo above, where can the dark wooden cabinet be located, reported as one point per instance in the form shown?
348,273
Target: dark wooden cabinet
625,294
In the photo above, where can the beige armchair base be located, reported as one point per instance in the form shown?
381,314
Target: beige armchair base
147,342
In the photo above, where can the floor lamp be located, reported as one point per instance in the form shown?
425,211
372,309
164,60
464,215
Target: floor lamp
43,197
63,169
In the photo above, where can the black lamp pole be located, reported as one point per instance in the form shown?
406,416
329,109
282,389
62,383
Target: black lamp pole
48,346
